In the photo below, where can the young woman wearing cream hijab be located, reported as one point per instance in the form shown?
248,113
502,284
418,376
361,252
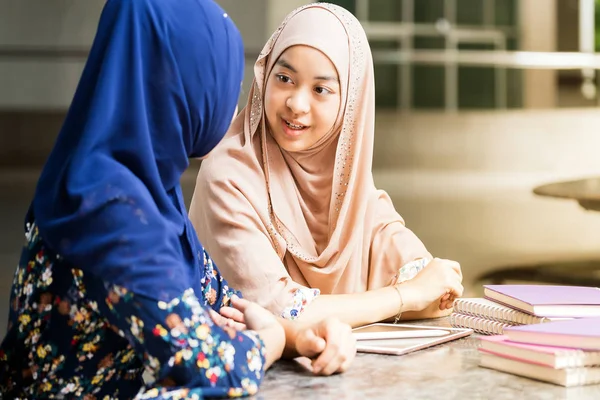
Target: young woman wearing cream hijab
286,203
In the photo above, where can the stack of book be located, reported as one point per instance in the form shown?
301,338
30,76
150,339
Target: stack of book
505,306
488,317
549,333
565,353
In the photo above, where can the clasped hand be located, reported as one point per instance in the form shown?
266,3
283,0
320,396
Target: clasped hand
329,343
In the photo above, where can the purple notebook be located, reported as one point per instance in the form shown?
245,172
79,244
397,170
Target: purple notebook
581,333
547,300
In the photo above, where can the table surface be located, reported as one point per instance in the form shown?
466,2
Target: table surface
447,371
585,191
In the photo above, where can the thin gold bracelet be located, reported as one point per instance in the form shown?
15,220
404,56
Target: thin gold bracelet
397,319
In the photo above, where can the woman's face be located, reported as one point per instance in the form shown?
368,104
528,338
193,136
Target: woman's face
302,98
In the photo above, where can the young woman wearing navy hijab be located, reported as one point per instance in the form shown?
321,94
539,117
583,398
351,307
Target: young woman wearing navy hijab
112,280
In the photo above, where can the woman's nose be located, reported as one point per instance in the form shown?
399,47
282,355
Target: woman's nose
298,102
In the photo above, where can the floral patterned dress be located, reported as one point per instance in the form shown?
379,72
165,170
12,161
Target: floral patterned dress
74,336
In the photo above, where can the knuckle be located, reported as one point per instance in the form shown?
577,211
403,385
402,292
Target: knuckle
334,346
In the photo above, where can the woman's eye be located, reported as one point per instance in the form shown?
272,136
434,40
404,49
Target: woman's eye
322,90
283,78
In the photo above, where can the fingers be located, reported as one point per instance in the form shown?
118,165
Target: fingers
308,344
233,313
339,351
216,317
446,301
458,289
455,288
222,320
256,317
445,305
239,303
341,362
238,326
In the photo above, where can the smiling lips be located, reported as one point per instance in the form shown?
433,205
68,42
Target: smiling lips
294,126
293,129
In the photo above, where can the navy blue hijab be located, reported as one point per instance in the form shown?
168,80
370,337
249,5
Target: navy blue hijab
160,85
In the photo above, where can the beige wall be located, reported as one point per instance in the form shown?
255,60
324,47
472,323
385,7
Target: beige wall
550,142
278,9
48,83
464,183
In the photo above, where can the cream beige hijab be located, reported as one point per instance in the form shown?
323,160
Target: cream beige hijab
275,221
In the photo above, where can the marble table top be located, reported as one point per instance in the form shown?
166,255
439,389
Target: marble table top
446,372
585,191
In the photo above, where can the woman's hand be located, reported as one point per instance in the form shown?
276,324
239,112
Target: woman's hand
440,280
247,315
232,315
328,343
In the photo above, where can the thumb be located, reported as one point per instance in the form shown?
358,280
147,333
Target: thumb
216,317
239,303
309,344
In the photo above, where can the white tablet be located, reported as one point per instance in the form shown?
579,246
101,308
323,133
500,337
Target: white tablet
400,339
395,331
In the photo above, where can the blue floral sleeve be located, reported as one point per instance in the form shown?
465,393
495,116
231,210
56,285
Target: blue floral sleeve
215,289
185,353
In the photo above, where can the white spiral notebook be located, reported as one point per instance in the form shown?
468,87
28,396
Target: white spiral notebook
479,325
488,309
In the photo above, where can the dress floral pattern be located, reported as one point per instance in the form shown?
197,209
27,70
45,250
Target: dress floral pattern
410,270
73,335
301,298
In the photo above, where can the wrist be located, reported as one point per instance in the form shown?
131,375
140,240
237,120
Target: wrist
279,333
406,294
274,339
291,330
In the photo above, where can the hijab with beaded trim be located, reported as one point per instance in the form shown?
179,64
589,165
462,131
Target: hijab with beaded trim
276,221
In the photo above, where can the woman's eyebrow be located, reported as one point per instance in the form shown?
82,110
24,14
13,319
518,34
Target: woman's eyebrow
327,78
287,65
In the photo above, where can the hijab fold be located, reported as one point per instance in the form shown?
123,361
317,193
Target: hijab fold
276,221
159,86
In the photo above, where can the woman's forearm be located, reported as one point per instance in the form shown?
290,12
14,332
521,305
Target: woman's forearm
355,309
433,311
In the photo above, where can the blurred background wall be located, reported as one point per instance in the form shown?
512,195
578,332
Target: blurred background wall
465,126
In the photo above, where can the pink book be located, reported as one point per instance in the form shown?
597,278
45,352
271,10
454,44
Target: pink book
548,301
583,333
565,377
555,357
